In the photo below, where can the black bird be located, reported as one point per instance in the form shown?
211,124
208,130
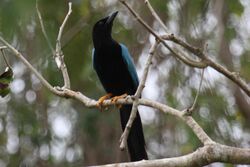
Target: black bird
116,71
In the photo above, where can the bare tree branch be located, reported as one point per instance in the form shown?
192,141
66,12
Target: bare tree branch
186,60
205,60
201,157
210,152
233,76
137,95
156,16
88,102
59,57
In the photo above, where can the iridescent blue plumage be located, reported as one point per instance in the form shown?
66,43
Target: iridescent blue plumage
116,71
128,61
130,64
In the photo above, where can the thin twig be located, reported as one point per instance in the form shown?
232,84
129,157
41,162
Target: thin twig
123,139
62,27
190,110
43,29
59,56
4,57
156,16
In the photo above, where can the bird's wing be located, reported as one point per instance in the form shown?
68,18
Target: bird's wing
130,64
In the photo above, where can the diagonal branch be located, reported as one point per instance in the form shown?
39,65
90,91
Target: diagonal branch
43,28
156,16
3,54
124,137
233,76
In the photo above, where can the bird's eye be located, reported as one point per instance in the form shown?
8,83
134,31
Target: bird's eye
101,22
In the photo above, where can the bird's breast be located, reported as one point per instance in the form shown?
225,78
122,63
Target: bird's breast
112,71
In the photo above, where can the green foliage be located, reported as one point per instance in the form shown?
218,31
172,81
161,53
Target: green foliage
5,80
235,7
245,62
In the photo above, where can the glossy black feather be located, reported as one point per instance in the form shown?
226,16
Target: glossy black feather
117,74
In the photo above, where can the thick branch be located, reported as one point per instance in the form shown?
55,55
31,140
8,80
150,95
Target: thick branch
201,157
233,76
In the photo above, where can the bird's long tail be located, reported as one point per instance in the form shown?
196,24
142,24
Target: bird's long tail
136,141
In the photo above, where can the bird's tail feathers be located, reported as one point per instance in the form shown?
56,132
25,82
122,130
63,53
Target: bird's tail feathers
136,141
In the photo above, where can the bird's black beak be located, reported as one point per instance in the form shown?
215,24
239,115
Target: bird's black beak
111,18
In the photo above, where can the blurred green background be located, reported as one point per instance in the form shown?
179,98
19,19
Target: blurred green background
40,129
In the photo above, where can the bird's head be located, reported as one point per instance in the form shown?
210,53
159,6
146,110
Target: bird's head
102,28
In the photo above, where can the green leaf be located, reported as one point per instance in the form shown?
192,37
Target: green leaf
5,91
5,80
235,7
7,76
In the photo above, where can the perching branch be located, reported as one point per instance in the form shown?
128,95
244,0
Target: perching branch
210,152
124,137
88,102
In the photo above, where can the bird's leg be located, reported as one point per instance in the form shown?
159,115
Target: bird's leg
115,98
101,99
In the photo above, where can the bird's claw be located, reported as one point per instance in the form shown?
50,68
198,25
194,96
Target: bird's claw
101,100
114,99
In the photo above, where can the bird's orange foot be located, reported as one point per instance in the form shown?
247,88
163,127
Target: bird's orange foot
101,99
114,99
